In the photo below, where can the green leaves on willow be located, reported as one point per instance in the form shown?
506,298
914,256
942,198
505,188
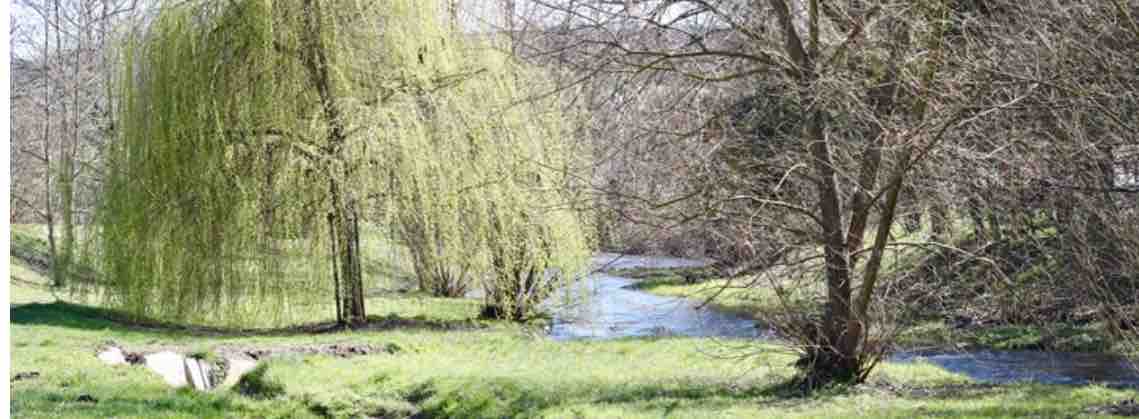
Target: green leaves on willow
244,124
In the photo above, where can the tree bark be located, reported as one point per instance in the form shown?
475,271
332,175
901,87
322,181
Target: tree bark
350,284
828,360
68,148
834,360
56,275
344,206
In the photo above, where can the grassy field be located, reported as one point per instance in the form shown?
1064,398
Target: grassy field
444,364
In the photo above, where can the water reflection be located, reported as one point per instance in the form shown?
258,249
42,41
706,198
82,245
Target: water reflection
604,307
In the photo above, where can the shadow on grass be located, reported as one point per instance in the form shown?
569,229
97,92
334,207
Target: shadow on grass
107,403
506,397
83,317
1044,401
938,392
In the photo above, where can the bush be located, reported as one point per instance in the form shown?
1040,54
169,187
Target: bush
259,385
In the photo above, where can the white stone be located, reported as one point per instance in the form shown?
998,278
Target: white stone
198,373
171,366
113,356
237,368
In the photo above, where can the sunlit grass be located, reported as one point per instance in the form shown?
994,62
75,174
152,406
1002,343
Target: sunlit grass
449,364
496,370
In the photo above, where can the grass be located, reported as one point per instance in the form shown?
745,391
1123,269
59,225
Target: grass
730,296
386,269
496,371
491,371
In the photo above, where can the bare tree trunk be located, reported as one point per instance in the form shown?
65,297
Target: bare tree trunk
68,148
837,361
829,359
56,275
860,319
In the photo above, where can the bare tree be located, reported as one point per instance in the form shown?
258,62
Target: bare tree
68,68
775,99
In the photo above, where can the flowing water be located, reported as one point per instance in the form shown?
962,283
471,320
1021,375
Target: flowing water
1045,367
605,307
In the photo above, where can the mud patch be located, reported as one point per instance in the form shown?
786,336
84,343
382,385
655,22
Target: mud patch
86,398
340,350
946,391
25,376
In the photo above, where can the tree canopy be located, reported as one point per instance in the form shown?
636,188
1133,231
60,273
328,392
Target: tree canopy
256,137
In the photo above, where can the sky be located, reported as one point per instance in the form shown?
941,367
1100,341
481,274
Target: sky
474,15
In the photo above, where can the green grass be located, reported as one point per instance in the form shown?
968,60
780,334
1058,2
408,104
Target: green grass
450,365
730,296
499,370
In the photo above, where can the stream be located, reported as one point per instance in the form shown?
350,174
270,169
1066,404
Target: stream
605,307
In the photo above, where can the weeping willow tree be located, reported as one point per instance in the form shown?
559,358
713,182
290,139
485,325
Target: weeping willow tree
257,136
482,175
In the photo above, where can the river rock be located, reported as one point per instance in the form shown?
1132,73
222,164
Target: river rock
171,366
113,356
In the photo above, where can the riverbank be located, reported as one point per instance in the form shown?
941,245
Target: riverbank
739,297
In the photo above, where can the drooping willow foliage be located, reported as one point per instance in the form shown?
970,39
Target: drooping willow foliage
255,137
481,176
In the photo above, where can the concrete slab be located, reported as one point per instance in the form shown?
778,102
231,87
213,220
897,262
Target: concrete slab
171,366
237,368
198,373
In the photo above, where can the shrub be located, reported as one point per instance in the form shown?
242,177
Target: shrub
259,385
